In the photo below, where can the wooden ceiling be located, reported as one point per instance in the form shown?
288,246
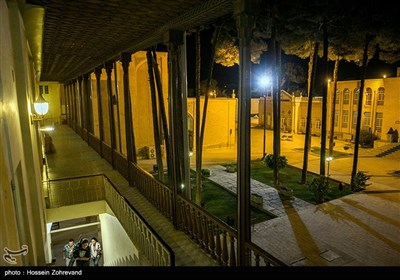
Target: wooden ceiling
79,35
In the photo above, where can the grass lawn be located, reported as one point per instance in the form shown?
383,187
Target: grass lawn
335,154
221,203
290,177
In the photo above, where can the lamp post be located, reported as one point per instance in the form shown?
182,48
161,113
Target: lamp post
264,81
329,159
264,125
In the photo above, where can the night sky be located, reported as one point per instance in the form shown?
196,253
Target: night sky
229,76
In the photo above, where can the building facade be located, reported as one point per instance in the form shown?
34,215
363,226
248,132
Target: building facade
380,109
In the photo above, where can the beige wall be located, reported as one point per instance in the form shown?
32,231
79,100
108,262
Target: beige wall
21,202
54,99
220,130
117,247
140,101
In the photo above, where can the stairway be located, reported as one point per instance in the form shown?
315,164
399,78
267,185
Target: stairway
393,149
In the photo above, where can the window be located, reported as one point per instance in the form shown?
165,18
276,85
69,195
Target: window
381,95
337,100
289,122
346,96
345,118
354,123
283,123
367,119
336,122
45,88
356,93
318,124
303,123
378,122
368,96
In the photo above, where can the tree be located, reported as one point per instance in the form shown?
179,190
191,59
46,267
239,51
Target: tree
270,162
312,66
156,129
200,128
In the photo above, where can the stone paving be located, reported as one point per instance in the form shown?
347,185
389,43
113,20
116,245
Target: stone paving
272,201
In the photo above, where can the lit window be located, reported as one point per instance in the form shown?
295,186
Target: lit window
354,123
346,96
381,95
368,96
336,123
356,93
345,118
367,119
378,122
318,124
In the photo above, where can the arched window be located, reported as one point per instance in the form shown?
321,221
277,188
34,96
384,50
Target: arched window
381,95
337,100
368,96
346,96
356,94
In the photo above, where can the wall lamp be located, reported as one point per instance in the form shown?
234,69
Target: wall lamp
41,107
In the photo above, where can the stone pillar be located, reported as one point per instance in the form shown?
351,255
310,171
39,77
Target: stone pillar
81,104
97,72
129,133
174,39
109,66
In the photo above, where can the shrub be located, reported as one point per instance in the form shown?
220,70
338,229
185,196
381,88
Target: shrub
269,161
359,181
231,169
206,172
366,139
320,187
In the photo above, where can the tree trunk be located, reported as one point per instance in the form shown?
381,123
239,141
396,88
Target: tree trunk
333,106
161,106
322,158
276,106
312,65
198,143
359,109
156,129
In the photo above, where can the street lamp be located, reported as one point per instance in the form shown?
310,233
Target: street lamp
264,81
329,159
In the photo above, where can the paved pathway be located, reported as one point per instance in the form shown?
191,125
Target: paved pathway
272,202
361,229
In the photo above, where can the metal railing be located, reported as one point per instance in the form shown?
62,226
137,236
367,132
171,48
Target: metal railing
70,191
216,237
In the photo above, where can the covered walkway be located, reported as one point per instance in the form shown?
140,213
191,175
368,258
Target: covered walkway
73,157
